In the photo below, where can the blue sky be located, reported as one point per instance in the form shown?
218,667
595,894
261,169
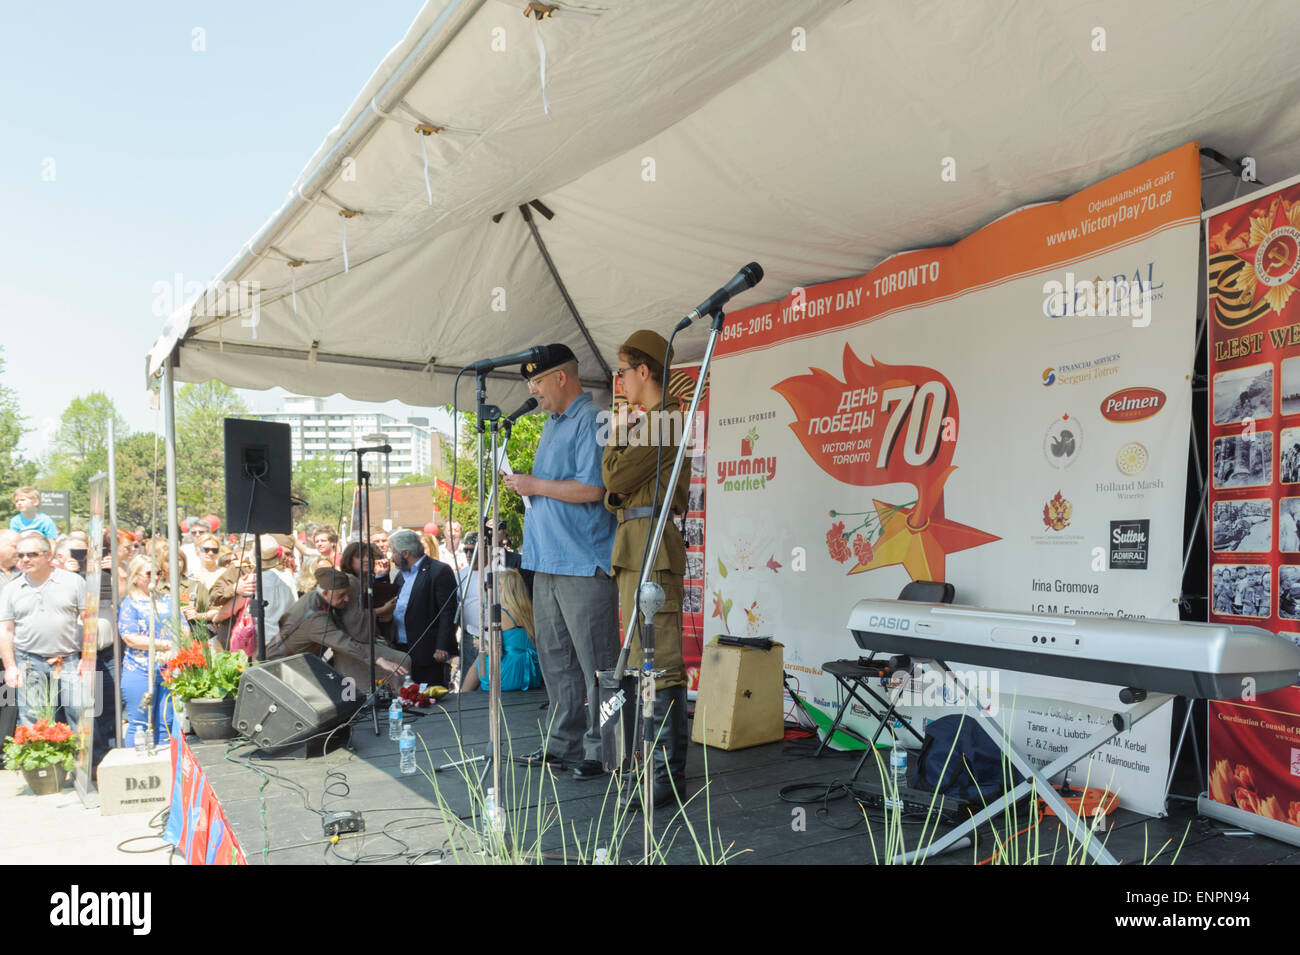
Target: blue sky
163,159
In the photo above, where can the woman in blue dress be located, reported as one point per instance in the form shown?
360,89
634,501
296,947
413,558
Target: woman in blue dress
519,667
139,612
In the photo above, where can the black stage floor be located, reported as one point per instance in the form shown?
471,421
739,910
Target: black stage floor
275,807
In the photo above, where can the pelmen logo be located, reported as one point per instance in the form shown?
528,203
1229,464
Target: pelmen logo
76,908
1133,404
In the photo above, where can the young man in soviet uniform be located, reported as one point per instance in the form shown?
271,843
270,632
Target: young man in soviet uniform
628,468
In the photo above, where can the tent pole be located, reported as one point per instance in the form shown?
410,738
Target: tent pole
564,292
173,529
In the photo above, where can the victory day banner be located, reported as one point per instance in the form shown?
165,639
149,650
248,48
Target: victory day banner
1253,249
1010,414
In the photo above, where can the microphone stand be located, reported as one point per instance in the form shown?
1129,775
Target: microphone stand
648,592
367,582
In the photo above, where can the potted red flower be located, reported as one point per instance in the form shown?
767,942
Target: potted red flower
44,752
205,681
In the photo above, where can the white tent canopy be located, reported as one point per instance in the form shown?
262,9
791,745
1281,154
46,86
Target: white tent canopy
685,138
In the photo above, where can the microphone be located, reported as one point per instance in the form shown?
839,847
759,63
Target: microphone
746,278
519,412
517,358
377,449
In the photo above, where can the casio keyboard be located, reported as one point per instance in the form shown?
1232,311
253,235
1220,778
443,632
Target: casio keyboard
1150,661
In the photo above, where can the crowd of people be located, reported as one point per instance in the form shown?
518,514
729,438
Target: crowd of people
315,596
593,504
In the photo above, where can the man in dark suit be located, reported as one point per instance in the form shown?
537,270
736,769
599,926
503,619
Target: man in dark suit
425,615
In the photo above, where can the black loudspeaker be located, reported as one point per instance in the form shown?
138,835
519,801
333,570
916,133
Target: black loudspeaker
258,464
289,706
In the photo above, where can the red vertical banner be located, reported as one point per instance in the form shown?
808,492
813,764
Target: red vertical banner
1253,249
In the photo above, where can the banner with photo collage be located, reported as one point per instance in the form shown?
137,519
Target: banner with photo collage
1253,250
1010,414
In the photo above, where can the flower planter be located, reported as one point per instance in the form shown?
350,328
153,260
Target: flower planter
212,719
45,781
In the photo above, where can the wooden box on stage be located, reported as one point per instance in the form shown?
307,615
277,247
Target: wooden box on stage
740,696
133,782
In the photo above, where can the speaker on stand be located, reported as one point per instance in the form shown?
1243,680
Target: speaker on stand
258,463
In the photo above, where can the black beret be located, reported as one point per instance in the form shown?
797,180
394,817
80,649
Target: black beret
552,356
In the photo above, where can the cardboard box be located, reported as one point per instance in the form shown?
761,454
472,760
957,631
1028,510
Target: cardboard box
739,703
130,782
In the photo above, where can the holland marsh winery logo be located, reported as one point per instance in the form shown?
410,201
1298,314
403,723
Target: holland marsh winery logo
750,471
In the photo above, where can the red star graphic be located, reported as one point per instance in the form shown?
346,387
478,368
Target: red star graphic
921,551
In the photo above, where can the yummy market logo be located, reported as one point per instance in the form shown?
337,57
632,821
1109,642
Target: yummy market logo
749,471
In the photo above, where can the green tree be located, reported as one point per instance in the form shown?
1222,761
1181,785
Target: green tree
14,470
201,410
326,485
519,452
141,486
79,450
83,429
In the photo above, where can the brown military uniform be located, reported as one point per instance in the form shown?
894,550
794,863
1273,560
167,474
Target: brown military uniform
310,627
628,470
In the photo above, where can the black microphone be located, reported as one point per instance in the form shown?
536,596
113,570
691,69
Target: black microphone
377,449
519,412
518,358
747,277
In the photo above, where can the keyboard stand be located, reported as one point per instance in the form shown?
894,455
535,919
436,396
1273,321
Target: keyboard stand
853,676
1038,780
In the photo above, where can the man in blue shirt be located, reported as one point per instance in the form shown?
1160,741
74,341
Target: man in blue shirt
568,542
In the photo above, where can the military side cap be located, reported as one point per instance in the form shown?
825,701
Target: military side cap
328,578
551,356
651,343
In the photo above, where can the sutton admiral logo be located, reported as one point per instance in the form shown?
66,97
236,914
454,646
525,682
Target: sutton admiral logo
1133,404
749,472
1063,441
1129,541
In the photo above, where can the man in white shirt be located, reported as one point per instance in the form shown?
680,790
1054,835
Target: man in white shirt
449,551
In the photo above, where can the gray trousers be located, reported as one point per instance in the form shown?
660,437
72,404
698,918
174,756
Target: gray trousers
577,634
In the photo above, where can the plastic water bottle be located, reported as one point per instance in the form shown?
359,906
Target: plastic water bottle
489,812
141,740
395,720
898,758
406,746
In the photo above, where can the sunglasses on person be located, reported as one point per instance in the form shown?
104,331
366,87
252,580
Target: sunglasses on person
31,554
211,550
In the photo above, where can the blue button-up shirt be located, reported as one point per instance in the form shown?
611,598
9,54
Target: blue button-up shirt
404,600
559,537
